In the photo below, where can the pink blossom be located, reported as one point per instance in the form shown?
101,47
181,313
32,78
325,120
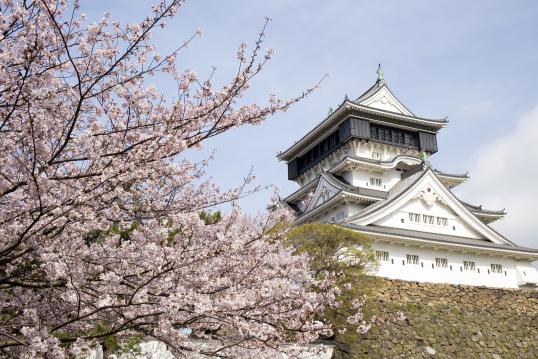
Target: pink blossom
100,209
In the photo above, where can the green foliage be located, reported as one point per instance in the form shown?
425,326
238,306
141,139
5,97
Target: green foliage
346,255
98,236
210,217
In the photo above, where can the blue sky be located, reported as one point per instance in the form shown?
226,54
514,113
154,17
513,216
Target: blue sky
473,61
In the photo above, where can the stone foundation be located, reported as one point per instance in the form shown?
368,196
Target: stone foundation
450,321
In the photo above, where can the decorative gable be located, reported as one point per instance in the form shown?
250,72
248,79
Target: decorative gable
383,99
428,206
324,192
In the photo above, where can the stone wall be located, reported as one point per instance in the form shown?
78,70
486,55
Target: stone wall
449,321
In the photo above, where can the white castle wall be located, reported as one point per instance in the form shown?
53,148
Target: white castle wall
362,178
398,268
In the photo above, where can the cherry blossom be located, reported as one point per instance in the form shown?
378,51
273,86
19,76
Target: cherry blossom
101,233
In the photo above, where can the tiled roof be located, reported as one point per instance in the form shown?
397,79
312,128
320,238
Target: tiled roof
441,238
480,210
455,175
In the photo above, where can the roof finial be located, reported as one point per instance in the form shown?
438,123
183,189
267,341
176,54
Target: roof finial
379,73
424,156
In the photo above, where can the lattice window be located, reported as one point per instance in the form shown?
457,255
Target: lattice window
442,221
414,217
468,265
496,268
375,182
441,262
412,259
382,256
428,219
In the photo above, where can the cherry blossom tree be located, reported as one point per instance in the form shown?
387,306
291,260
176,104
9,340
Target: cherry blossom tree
101,234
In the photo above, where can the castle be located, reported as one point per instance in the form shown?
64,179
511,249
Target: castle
365,167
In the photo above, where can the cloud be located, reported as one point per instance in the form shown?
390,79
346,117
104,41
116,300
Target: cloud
504,174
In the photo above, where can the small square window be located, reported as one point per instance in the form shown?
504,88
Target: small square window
441,262
496,268
412,259
376,182
428,219
382,256
468,265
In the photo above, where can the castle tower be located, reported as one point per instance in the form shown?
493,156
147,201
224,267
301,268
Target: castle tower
365,167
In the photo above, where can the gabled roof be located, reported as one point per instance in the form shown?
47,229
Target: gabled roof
381,89
302,191
339,189
407,188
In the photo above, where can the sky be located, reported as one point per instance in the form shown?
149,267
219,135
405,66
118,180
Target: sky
473,61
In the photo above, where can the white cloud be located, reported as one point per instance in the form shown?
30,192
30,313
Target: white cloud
504,174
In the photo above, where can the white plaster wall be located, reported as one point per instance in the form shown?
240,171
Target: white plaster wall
397,267
365,149
362,178
455,227
526,273
339,213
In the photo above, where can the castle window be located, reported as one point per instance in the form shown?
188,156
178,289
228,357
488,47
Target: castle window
468,265
414,217
377,155
428,219
382,256
441,262
376,182
441,221
412,259
496,268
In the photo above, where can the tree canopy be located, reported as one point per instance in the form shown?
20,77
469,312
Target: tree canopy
107,229
345,257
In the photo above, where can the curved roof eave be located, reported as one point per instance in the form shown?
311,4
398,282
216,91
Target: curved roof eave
346,106
462,176
369,161
443,239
